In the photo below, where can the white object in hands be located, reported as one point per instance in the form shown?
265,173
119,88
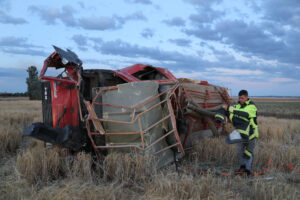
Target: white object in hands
234,137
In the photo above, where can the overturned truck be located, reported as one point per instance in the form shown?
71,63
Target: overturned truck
141,109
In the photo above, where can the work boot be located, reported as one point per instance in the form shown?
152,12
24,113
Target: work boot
243,171
248,172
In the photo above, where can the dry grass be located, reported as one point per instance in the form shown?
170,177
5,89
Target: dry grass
14,118
285,131
174,186
127,168
39,173
279,139
77,189
285,108
64,189
10,139
39,164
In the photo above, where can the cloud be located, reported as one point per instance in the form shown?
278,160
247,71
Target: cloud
172,59
108,23
206,15
14,45
274,29
252,39
132,17
147,33
205,32
11,41
206,12
7,19
281,80
235,72
225,63
247,37
181,42
254,5
5,5
203,3
284,12
81,41
176,21
274,37
183,74
98,23
12,72
119,47
146,2
81,4
66,16
52,14
31,52
91,61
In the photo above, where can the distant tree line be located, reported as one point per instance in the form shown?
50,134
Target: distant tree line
33,86
15,94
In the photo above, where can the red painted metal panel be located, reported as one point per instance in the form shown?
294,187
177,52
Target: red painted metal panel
127,73
64,97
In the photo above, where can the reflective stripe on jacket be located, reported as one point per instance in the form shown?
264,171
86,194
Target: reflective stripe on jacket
243,117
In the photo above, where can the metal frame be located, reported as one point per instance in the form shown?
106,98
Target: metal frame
170,93
186,94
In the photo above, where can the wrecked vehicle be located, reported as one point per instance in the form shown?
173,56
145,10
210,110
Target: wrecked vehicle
140,108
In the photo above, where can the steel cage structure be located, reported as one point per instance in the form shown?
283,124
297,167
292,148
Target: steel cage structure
92,117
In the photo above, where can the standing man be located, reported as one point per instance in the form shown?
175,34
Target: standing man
243,116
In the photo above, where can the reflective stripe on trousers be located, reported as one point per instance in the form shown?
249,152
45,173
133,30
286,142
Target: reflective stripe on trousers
241,149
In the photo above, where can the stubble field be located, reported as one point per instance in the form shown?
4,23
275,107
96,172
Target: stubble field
28,170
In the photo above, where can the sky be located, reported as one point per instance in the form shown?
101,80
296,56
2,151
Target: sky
241,44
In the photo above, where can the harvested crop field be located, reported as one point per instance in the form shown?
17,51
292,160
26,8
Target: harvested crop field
284,108
28,170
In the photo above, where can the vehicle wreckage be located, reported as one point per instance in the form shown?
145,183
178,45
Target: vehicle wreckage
140,108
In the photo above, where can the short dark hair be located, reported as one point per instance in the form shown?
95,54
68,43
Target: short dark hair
243,92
